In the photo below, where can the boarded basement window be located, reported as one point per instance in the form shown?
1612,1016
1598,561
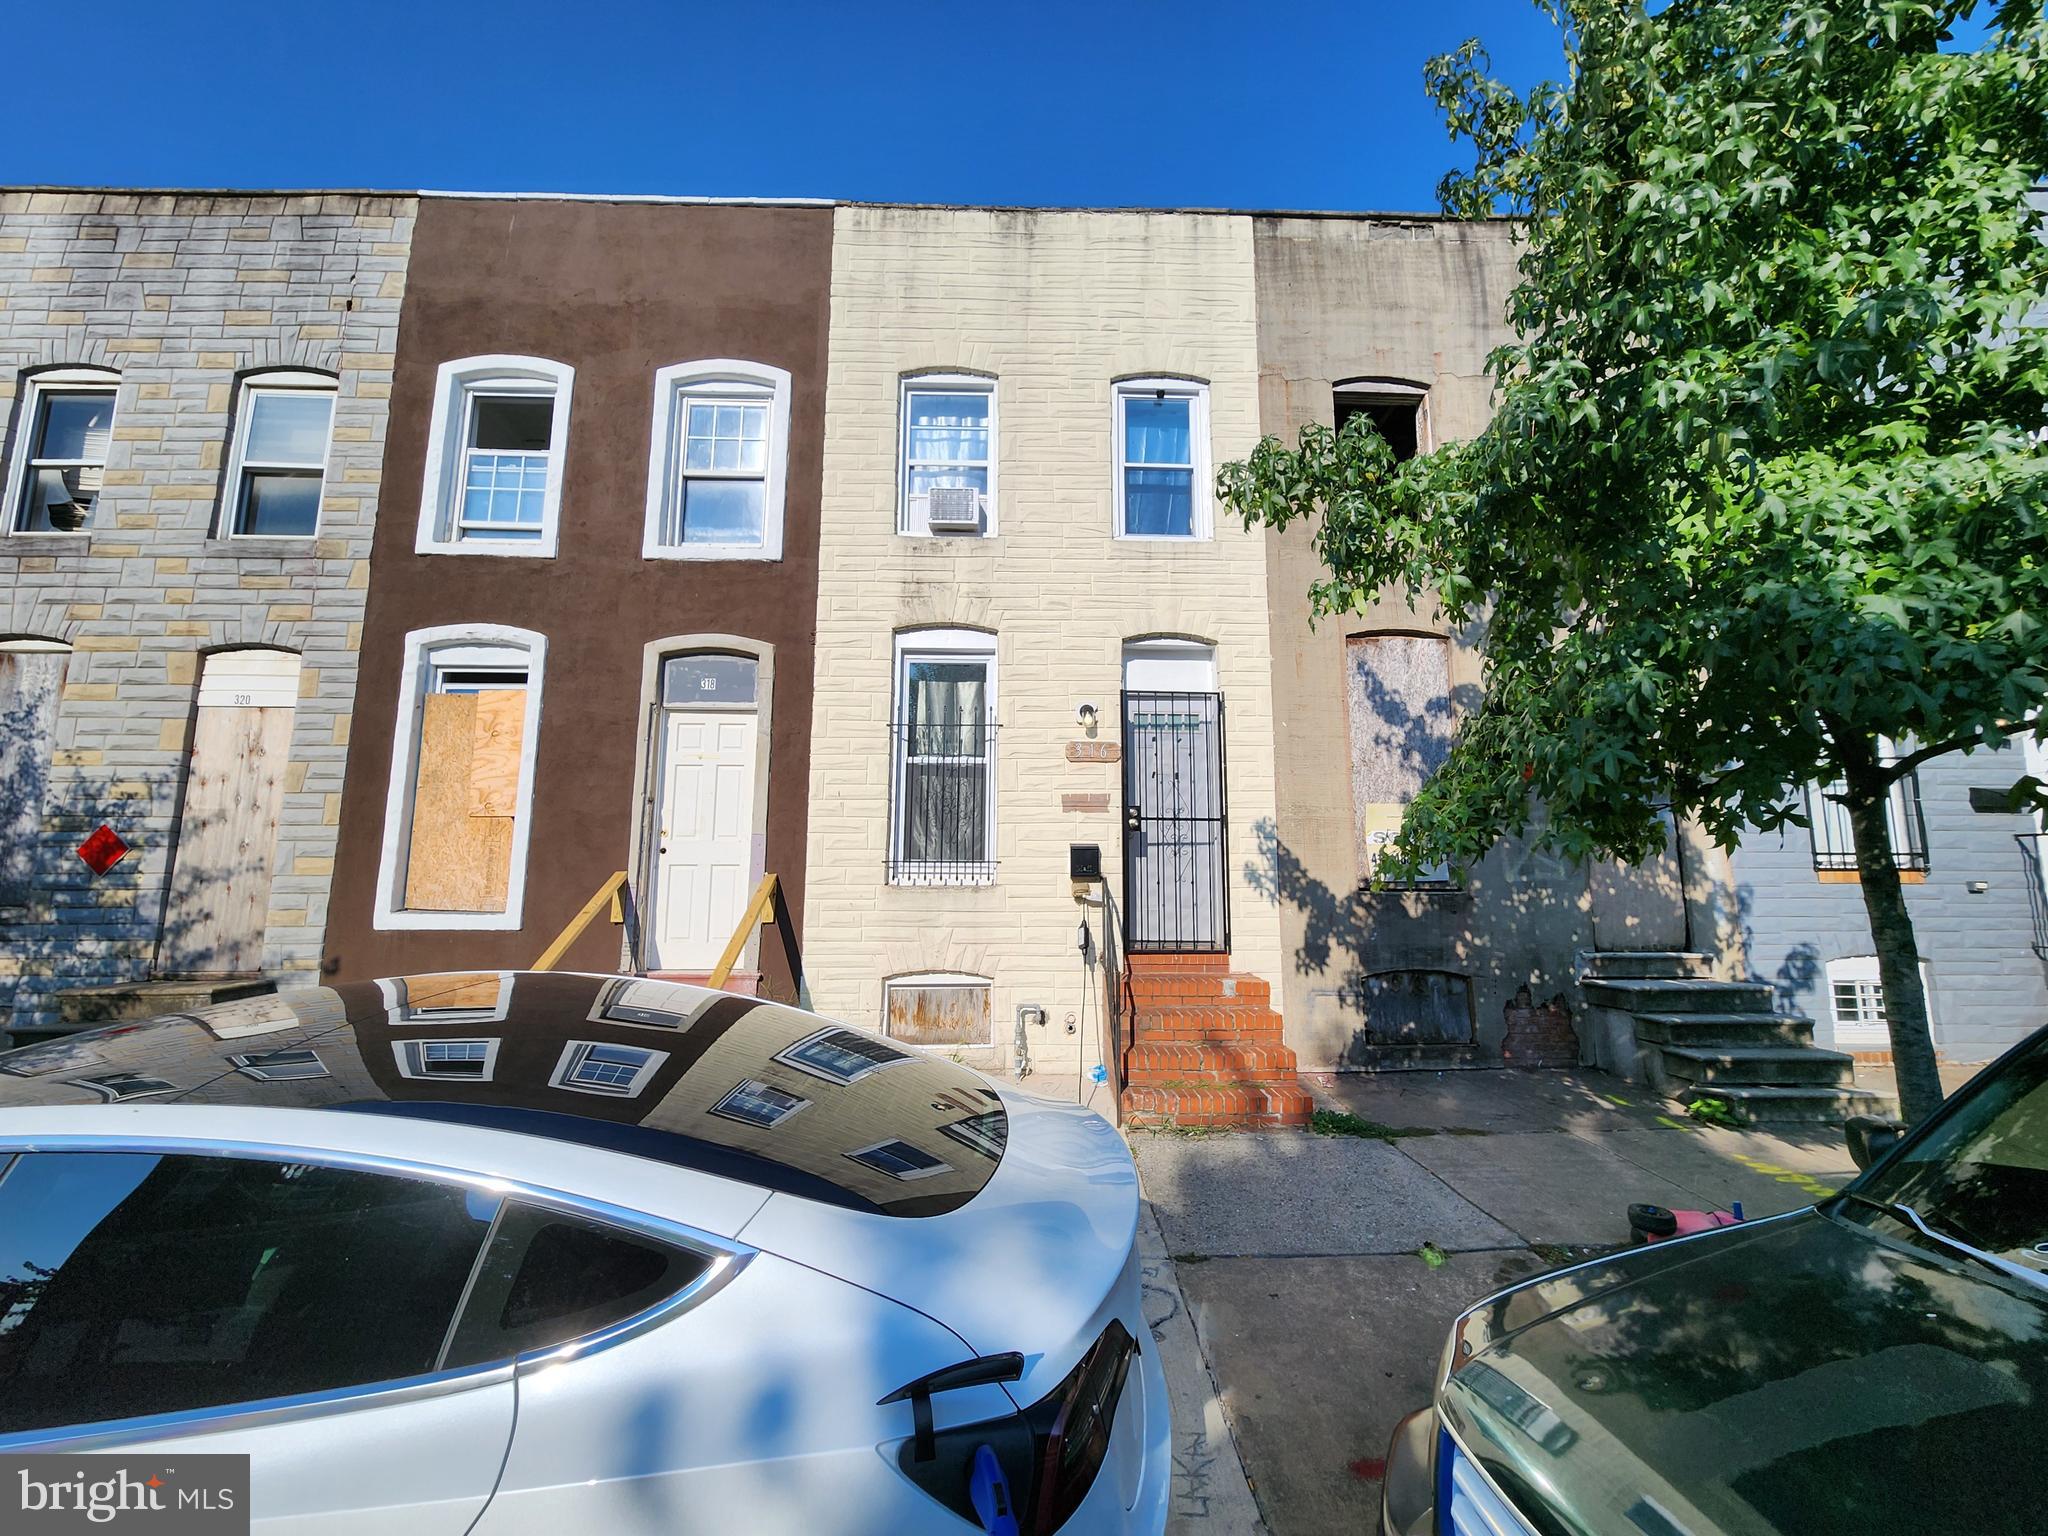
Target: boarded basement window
31,682
939,1010
1398,689
1417,1008
465,798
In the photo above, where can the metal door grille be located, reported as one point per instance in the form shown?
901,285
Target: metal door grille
1176,810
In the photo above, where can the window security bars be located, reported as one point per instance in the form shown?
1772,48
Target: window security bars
941,824
1834,840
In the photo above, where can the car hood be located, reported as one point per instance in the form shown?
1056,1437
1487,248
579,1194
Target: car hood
1800,1374
1034,1262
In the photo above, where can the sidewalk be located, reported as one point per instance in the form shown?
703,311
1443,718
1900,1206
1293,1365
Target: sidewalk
1295,1258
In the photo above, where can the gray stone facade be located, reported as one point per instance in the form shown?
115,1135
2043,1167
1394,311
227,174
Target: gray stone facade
1989,988
184,294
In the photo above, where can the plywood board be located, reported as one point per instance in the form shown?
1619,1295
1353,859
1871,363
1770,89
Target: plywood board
939,1014
30,685
227,839
455,862
495,738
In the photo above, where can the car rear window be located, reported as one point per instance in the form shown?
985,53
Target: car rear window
550,1277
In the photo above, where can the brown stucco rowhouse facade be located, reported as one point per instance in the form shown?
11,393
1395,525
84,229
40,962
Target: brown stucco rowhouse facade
588,645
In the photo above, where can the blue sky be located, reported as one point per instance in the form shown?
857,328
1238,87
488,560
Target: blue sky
1252,104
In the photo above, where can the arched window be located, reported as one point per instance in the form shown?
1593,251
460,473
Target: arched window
284,423
717,462
65,429
494,457
459,809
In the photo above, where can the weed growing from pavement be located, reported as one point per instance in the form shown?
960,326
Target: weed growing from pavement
1338,1122
1712,1111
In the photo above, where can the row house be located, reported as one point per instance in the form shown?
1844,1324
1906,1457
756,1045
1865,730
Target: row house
195,389
631,551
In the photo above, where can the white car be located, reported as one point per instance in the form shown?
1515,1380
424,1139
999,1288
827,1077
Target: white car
532,1254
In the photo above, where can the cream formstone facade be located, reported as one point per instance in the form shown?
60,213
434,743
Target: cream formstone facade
1055,307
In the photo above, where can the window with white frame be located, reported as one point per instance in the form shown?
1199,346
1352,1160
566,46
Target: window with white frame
900,1160
65,429
943,759
718,461
1162,459
840,1055
1834,837
469,1060
494,457
458,809
947,483
1856,998
593,1066
283,424
753,1102
280,1066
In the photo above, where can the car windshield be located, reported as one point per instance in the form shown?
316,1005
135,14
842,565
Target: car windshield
1981,1176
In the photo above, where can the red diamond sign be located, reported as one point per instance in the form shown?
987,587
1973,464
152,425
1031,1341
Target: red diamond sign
102,850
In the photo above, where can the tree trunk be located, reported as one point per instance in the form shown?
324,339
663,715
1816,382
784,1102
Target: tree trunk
1891,933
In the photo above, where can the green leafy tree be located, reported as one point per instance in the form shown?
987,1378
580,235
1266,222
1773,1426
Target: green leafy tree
1764,489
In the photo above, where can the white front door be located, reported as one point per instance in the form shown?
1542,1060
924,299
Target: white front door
704,836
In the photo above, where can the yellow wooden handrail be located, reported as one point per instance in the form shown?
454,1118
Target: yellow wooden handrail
609,891
760,909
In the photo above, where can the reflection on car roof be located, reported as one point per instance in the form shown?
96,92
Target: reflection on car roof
729,1085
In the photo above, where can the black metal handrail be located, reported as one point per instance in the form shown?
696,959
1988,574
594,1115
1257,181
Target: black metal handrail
2033,850
942,798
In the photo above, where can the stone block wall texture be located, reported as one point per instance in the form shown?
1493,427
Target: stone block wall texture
1420,301
184,293
1989,989
1056,306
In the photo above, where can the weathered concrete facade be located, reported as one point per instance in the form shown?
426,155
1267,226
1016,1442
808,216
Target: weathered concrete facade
1049,310
179,299
1392,308
1987,984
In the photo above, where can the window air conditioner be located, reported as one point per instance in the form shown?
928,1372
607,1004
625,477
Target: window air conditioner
954,509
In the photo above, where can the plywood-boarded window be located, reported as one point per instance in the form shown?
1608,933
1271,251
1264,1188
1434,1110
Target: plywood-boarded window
31,683
938,1010
468,761
1398,693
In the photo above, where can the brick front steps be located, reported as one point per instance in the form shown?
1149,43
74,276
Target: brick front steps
1205,1049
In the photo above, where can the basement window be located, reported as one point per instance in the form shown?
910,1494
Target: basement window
939,1009
458,810
61,463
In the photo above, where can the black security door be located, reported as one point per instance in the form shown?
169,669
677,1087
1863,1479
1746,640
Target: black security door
1174,818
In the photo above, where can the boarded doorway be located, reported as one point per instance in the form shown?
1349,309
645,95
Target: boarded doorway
31,683
227,838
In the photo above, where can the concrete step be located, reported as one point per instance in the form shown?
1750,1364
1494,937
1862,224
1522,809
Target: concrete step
1814,1104
1642,994
1218,1106
90,1007
1704,1029
1758,1065
1643,964
1249,1023
1158,1062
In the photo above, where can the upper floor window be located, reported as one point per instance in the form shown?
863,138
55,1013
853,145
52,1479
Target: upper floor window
1398,411
280,455
1834,839
60,460
1162,459
592,1066
949,455
458,810
494,457
718,461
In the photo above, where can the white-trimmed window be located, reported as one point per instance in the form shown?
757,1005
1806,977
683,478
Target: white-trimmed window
459,808
615,1071
280,1066
1834,837
1856,1000
494,457
1161,436
900,1160
939,1008
473,1061
840,1055
65,426
717,462
947,484
753,1102
942,823
283,426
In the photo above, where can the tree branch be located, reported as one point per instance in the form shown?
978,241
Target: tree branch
1898,768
